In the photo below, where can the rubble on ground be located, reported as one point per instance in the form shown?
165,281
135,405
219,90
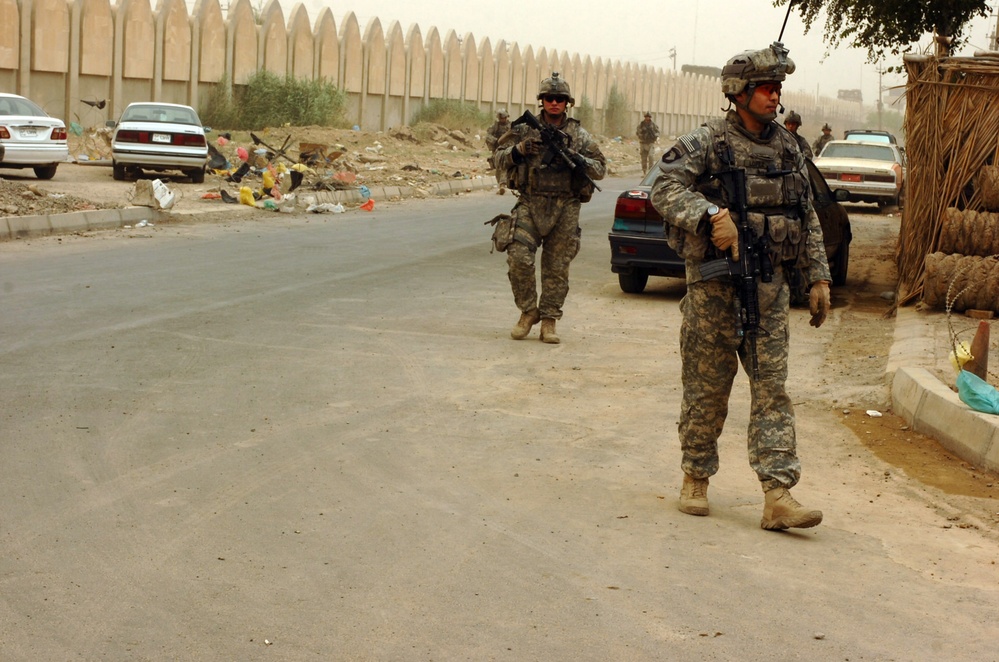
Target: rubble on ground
417,157
17,199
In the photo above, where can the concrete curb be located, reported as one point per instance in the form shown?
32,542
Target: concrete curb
935,410
23,227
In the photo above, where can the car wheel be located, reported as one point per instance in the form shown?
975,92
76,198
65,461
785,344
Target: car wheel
633,283
842,265
117,171
45,172
197,176
901,197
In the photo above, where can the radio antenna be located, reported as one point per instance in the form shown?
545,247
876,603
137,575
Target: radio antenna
786,16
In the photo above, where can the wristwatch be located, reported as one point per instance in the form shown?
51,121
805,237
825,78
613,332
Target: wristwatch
711,211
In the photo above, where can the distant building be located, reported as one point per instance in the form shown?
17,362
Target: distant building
850,95
714,72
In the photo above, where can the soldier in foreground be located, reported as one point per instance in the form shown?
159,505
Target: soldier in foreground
715,332
553,179
647,133
792,123
821,141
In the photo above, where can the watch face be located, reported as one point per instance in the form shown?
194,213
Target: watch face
712,210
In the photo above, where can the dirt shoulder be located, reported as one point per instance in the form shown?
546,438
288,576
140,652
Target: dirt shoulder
419,158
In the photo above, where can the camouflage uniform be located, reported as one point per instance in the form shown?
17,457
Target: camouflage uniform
647,133
794,118
494,133
710,342
546,214
821,141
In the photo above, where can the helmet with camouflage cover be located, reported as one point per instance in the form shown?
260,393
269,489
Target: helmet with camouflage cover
793,118
555,84
751,67
502,114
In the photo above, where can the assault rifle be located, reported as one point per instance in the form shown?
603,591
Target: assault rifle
754,260
558,145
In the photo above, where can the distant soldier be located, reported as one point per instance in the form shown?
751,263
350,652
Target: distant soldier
501,126
648,134
821,141
546,216
792,123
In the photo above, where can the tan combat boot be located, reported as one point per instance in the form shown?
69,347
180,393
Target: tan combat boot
694,496
523,326
781,511
548,331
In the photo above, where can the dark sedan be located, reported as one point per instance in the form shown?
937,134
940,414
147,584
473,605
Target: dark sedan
639,248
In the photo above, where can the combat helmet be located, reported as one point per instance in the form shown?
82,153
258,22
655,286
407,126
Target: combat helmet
502,114
793,118
555,84
751,67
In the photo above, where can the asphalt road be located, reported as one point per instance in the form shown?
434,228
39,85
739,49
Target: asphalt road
312,438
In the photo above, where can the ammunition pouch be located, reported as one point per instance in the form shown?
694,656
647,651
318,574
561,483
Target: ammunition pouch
503,231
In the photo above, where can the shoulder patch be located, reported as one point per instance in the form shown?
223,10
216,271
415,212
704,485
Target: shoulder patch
683,146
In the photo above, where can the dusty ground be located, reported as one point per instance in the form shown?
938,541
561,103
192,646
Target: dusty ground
417,157
431,154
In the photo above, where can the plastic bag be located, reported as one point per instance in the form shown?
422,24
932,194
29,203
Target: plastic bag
977,393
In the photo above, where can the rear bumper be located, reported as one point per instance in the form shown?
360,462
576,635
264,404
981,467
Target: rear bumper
652,255
26,156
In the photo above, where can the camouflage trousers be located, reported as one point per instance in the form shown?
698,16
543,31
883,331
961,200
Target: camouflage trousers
648,158
711,349
559,245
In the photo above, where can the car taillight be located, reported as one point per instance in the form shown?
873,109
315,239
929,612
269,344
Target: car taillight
188,140
631,207
4,133
58,133
126,136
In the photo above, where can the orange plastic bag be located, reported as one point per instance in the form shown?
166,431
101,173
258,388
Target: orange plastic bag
369,205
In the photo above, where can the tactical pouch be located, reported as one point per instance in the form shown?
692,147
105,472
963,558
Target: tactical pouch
687,245
503,228
785,237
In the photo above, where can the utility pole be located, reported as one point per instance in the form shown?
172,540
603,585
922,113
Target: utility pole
881,71
994,37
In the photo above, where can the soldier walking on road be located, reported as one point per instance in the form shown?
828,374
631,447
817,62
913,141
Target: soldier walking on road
792,123
821,141
701,222
648,134
495,132
546,215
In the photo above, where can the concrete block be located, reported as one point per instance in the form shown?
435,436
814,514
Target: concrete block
29,226
4,230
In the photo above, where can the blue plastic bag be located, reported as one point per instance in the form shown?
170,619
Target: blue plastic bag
977,393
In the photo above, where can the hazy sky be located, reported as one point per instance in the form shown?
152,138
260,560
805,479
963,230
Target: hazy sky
704,32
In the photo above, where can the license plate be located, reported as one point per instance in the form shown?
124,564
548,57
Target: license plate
161,137
847,177
30,132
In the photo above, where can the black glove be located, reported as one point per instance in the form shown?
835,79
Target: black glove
528,147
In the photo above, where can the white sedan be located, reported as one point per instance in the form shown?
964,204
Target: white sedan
159,136
867,171
29,137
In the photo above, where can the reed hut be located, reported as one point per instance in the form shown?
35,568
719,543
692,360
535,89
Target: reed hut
952,185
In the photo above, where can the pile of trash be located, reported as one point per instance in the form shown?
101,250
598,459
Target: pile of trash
271,177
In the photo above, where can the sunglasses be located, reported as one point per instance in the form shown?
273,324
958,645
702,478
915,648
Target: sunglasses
555,98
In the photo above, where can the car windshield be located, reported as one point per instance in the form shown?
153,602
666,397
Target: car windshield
160,114
847,150
869,137
20,106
